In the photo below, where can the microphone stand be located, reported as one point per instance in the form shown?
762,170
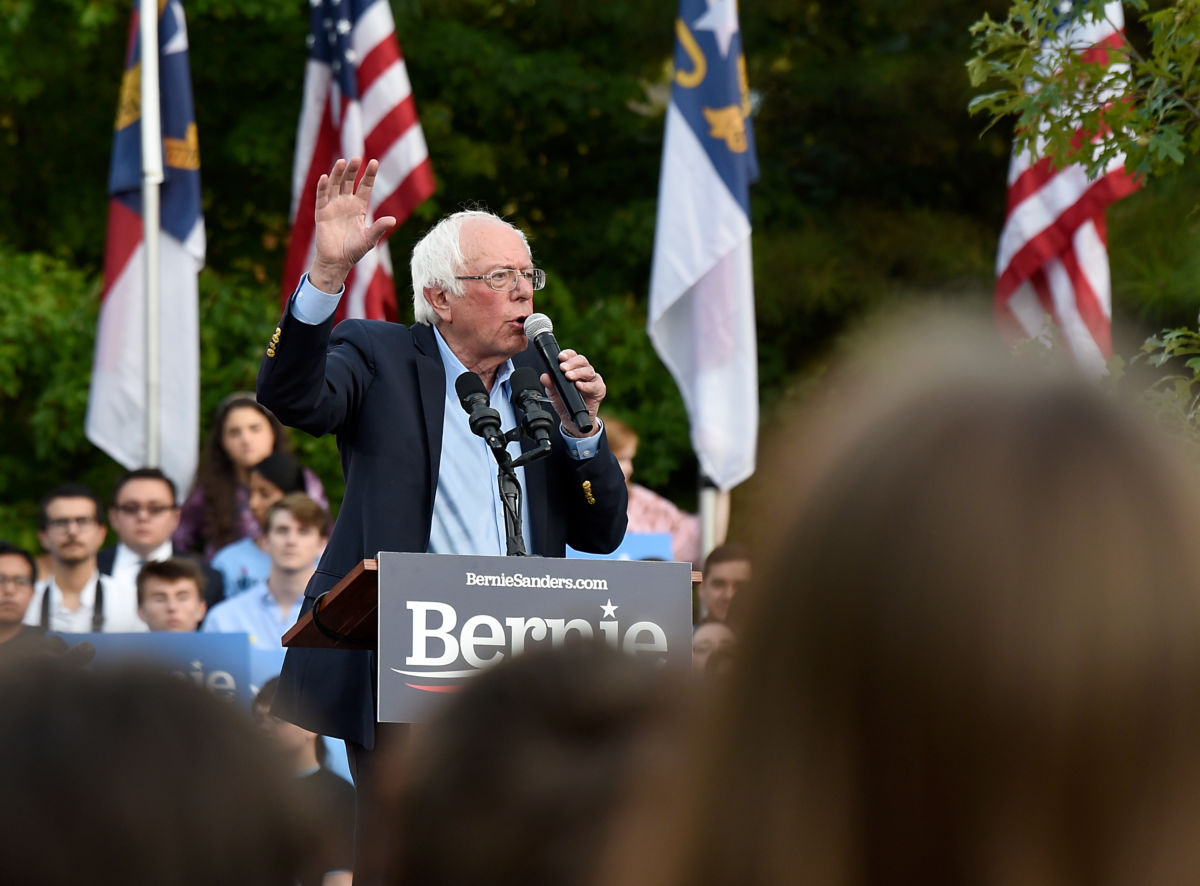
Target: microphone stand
510,498
510,487
534,422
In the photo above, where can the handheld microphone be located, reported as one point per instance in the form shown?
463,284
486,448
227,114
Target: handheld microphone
484,421
540,331
529,403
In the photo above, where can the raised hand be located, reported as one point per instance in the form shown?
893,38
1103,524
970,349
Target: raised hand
342,236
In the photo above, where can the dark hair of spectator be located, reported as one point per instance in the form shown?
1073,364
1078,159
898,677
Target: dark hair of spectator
217,474
306,511
723,553
263,700
7,547
173,569
137,776
526,766
67,490
145,474
283,470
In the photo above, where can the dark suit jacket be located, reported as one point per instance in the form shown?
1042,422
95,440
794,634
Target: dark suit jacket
214,582
381,388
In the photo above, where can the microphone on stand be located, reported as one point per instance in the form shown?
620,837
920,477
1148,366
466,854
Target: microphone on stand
484,420
530,406
541,332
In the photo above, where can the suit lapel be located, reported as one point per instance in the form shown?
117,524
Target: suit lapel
431,384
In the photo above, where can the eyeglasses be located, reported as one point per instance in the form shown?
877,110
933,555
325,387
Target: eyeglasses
18,581
60,523
133,508
505,279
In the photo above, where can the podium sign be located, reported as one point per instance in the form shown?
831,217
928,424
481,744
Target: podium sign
443,618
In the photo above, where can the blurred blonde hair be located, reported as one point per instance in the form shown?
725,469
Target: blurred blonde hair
975,655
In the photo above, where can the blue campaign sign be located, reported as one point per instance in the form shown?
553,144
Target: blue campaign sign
218,662
264,664
635,546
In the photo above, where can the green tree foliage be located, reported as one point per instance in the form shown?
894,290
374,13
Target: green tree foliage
875,183
1149,107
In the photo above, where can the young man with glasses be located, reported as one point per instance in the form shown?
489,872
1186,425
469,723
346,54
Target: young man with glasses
144,514
417,479
75,598
17,571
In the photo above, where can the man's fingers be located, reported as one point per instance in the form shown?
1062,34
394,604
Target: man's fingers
322,191
380,227
368,179
350,173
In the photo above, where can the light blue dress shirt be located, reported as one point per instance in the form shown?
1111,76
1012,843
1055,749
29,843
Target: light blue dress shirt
468,514
255,613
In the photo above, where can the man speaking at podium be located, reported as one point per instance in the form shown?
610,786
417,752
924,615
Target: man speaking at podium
417,479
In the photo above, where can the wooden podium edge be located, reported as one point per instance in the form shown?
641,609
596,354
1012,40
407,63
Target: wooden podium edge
338,611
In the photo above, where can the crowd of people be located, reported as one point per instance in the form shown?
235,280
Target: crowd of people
969,653
966,648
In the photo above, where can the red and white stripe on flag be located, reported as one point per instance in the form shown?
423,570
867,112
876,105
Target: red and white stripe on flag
1052,260
357,102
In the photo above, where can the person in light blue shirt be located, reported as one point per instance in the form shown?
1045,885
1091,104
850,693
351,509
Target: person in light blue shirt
296,529
244,564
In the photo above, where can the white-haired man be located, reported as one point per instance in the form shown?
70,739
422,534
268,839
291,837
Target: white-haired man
416,477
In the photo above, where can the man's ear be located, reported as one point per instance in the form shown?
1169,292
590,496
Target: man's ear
439,300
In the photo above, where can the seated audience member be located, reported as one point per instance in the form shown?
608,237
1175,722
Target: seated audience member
19,640
76,598
144,513
649,511
138,777
296,530
726,571
216,511
244,564
171,595
973,656
517,778
711,639
303,753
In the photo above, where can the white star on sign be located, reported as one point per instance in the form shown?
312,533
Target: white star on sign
721,19
610,611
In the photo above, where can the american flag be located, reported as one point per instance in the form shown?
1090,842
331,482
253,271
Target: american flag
1052,262
357,102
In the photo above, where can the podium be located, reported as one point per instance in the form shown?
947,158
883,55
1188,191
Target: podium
347,616
434,620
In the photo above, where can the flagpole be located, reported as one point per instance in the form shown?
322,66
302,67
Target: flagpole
152,177
714,516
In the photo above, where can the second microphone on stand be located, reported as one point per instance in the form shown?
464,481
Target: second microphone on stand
531,406
484,420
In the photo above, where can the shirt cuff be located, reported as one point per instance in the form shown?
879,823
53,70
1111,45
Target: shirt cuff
311,306
582,448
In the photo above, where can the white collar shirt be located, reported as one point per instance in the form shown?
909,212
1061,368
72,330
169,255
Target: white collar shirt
127,564
120,608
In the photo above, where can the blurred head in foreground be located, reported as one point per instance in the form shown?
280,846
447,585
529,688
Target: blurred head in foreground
974,657
135,776
517,778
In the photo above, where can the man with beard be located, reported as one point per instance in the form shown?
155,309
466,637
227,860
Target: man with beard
75,598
